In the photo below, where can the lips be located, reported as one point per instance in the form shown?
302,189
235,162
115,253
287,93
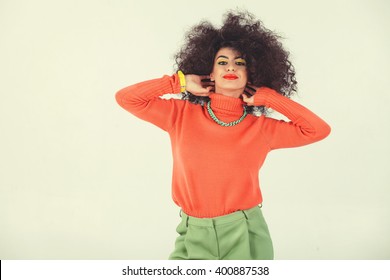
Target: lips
230,77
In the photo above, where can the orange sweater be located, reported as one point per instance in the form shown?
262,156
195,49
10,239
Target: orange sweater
215,168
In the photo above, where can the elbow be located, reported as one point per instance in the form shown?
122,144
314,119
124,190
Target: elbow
328,130
317,133
119,97
126,99
323,132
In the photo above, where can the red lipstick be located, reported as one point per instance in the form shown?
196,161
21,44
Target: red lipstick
230,77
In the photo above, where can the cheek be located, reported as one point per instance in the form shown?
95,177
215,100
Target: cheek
214,74
245,75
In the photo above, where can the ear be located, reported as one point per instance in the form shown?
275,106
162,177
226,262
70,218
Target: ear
212,77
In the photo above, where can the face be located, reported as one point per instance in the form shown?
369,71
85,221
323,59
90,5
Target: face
229,73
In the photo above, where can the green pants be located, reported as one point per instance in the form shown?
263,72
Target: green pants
242,235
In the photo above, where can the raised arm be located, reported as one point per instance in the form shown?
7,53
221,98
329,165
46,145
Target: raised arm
304,126
143,100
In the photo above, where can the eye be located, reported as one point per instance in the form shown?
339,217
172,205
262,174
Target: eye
222,62
240,62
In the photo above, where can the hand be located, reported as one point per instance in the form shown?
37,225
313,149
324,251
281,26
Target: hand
199,85
247,96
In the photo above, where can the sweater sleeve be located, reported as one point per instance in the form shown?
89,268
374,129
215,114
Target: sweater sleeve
304,126
143,100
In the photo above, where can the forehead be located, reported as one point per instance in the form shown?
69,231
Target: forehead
228,52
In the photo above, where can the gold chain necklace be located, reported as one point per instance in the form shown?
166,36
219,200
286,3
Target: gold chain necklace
222,123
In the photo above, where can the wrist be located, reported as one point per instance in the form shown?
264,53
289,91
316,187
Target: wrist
262,95
267,97
182,80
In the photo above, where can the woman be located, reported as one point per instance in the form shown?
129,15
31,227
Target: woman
220,133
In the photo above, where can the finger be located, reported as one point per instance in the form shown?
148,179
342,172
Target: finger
251,85
202,91
247,100
204,77
208,85
247,93
252,89
201,94
197,93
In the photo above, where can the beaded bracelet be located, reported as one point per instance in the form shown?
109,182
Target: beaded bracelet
182,80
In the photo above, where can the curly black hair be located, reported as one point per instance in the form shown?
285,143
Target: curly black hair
267,61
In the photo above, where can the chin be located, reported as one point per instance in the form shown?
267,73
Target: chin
232,88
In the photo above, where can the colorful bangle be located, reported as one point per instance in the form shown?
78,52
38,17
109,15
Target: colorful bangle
182,80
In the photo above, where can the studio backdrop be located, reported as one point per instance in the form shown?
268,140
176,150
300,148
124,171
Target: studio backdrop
80,178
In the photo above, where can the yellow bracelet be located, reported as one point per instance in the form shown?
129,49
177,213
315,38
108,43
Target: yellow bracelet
182,80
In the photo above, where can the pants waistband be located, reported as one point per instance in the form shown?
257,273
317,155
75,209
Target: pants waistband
211,222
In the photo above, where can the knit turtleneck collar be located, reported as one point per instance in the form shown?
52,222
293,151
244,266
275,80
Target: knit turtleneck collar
226,104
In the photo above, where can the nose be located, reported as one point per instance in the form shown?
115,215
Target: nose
231,67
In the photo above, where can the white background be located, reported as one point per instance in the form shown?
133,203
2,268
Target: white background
80,178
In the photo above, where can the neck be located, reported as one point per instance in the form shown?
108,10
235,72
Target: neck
226,104
236,93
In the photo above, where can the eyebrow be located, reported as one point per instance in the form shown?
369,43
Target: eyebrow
223,56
